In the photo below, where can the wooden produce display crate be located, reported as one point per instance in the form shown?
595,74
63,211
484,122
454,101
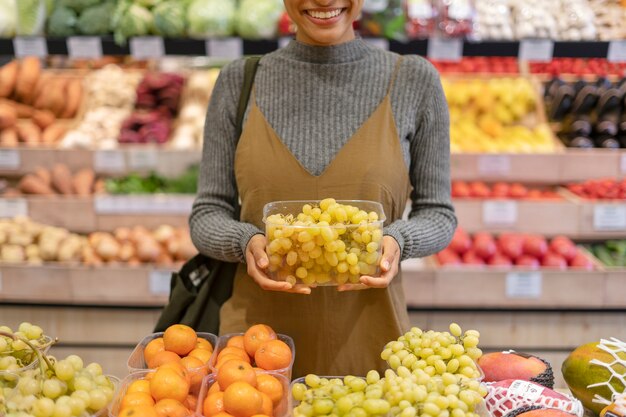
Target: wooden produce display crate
75,284
599,219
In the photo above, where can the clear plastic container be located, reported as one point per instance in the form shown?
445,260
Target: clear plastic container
223,340
282,409
136,361
323,254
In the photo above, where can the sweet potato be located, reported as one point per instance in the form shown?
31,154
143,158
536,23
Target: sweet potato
83,182
8,116
44,118
29,133
32,184
30,70
74,94
44,175
24,111
100,187
42,84
57,99
54,133
8,77
8,138
62,179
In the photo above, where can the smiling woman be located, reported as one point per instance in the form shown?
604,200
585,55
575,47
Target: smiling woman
329,116
323,22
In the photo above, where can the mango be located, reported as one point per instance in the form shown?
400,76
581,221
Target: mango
499,366
545,412
579,373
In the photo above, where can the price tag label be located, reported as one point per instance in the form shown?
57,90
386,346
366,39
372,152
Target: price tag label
378,43
524,284
160,282
10,159
139,204
500,213
617,51
497,165
527,390
142,159
147,47
622,163
538,50
30,46
231,48
441,49
84,47
109,161
13,207
284,41
609,217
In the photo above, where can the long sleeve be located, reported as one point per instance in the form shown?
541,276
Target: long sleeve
214,230
431,221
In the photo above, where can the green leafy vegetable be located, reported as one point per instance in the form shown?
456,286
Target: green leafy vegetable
187,183
8,18
258,19
62,22
130,19
96,20
170,19
79,5
209,18
31,17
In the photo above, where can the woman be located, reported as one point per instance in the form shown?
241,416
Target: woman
329,116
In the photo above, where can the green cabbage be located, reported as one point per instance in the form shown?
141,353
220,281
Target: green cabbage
258,19
96,20
170,19
130,20
210,18
78,5
62,22
8,18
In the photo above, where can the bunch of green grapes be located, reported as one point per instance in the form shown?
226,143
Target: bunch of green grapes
436,353
350,396
323,243
16,347
67,389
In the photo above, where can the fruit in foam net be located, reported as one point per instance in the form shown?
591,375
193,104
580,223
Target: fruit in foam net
498,366
329,242
49,387
433,374
490,116
545,412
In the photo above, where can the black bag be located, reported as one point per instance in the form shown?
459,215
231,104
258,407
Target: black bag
203,284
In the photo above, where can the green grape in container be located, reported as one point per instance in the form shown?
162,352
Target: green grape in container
384,18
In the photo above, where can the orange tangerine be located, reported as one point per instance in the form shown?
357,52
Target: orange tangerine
163,357
270,386
139,411
167,383
171,408
213,404
255,335
139,385
236,341
180,339
134,399
152,348
234,371
202,354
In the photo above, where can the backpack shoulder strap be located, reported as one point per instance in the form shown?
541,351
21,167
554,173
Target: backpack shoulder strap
250,68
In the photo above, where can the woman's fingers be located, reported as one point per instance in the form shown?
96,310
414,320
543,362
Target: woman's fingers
388,264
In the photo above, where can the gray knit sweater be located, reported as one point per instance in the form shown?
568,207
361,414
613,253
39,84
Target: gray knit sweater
316,98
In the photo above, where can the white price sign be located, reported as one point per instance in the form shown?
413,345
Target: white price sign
160,282
617,51
231,48
10,159
527,390
609,217
500,213
538,50
378,43
147,47
497,165
140,204
524,284
13,207
143,159
84,47
622,163
30,46
441,49
109,161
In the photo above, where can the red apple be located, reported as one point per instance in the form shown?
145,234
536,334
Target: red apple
500,189
563,246
535,245
479,189
527,262
448,257
470,258
460,189
518,191
499,260
554,260
511,245
580,261
484,245
460,242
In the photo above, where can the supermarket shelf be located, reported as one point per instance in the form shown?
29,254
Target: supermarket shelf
102,213
65,284
484,288
194,47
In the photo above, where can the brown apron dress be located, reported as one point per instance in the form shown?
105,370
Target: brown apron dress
335,333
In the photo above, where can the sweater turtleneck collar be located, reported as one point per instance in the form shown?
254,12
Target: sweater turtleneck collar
350,51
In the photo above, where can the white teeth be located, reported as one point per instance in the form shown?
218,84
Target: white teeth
324,15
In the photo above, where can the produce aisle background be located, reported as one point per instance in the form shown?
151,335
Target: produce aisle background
100,135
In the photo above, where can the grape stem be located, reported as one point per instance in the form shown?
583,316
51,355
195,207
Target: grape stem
42,358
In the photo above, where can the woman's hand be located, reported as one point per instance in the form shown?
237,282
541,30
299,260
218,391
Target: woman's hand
389,265
257,261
